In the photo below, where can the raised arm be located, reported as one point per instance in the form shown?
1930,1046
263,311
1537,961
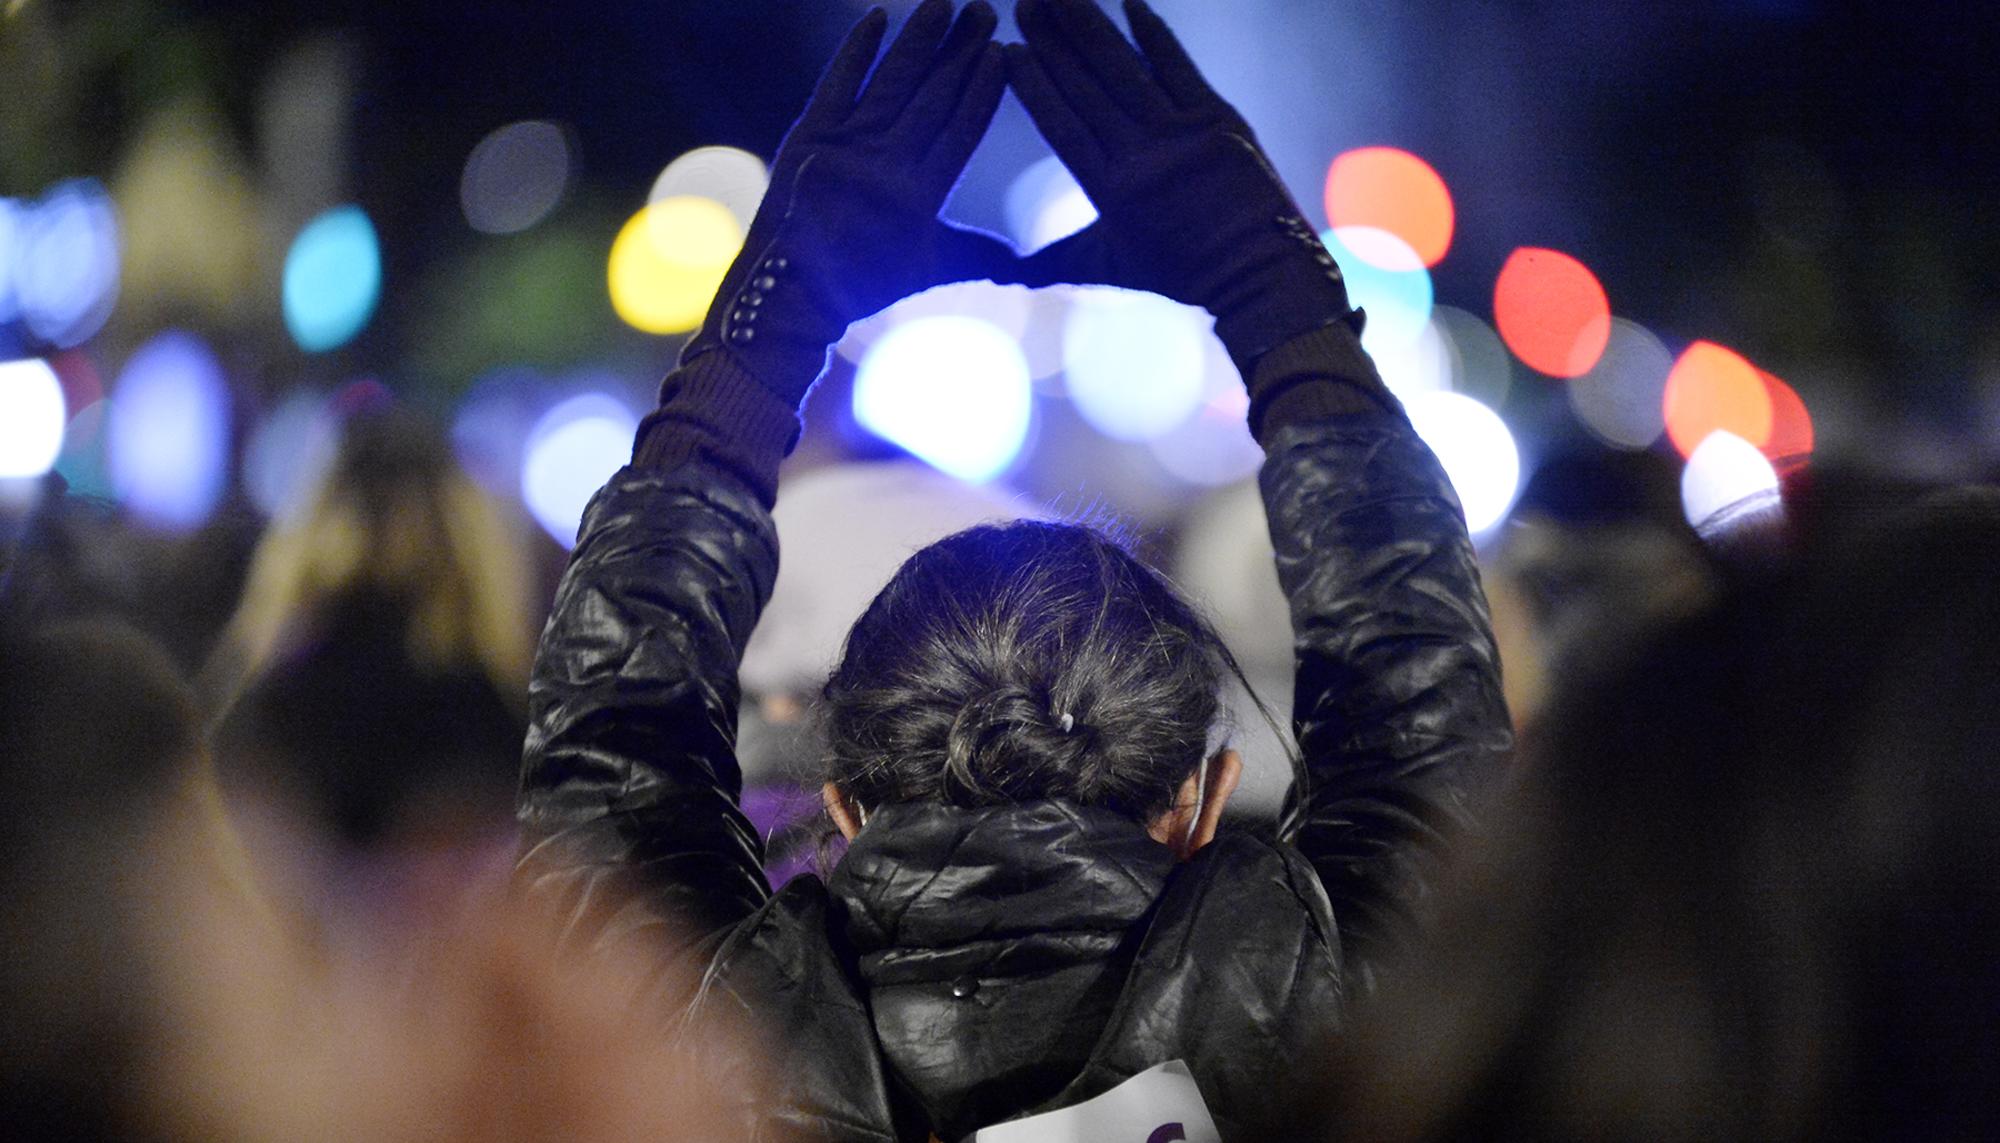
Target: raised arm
1398,710
630,786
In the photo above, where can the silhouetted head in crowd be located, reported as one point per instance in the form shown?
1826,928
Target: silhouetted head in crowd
1595,554
396,525
375,673
1029,661
97,733
1744,889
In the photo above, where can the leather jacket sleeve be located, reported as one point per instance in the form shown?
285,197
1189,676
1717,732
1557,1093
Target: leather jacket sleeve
630,786
1397,708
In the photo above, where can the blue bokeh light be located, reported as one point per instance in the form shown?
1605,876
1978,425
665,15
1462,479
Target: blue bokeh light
13,230
333,278
66,263
290,453
1214,446
1133,362
951,390
1044,203
572,450
1390,282
167,434
489,432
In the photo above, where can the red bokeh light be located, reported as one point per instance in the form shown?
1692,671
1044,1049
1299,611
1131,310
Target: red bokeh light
81,384
1551,311
1395,191
1791,425
1712,388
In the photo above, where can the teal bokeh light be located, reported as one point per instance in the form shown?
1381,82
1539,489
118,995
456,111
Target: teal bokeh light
1386,278
333,278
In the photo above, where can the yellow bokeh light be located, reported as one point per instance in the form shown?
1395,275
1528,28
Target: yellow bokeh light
668,260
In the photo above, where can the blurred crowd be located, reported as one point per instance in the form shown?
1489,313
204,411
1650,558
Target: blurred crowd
258,768
1736,884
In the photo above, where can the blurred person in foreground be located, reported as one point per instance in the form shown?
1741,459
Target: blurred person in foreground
98,734
373,679
147,993
1027,752
1745,888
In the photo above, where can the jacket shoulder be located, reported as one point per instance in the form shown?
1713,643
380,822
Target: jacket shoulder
779,975
1237,973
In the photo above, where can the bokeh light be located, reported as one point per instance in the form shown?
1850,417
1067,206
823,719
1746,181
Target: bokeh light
82,462
1481,367
1791,438
1724,471
1619,399
290,452
1391,190
1133,362
515,177
952,391
1476,449
1712,389
572,450
81,385
489,431
1044,203
1389,281
66,267
1008,308
167,434
1551,311
668,261
333,278
1214,446
13,227
733,177
31,418
1422,366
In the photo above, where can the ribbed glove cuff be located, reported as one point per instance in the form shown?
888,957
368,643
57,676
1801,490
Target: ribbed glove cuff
1324,373
712,406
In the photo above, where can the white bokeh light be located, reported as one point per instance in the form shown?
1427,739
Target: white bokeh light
572,450
1724,471
515,177
1476,449
31,418
1133,362
952,391
733,177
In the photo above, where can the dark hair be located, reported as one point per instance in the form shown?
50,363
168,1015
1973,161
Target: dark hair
1025,661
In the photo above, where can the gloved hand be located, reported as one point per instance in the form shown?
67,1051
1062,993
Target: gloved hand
850,223
1188,205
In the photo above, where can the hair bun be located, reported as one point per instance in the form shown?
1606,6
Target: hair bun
1009,741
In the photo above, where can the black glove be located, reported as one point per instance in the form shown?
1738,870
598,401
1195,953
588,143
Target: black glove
850,223
1188,205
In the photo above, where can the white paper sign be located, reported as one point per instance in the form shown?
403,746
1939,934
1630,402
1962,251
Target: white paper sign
1159,1105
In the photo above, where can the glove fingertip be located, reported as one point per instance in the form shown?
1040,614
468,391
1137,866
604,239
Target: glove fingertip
980,17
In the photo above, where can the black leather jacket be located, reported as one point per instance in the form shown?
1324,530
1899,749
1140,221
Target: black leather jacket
964,967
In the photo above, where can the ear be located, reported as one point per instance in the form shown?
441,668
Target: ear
1198,806
1225,770
841,810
